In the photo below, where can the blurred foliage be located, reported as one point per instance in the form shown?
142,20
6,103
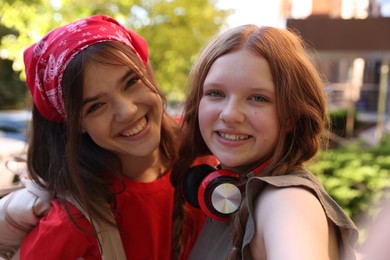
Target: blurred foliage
356,176
338,119
13,93
174,29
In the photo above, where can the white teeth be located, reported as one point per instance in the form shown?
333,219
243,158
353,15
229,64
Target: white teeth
233,137
137,129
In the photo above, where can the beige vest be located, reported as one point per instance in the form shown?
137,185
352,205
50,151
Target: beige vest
215,239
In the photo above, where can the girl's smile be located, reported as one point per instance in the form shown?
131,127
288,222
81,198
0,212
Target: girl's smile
135,128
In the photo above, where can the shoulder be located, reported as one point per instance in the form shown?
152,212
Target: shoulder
58,215
290,207
58,219
57,226
291,218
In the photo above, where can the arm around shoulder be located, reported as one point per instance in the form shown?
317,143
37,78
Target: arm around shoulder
57,237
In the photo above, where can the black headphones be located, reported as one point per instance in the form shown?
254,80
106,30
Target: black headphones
214,191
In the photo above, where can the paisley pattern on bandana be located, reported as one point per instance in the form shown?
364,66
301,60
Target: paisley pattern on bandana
47,60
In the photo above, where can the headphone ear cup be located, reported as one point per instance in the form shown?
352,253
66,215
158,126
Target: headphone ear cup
218,195
192,180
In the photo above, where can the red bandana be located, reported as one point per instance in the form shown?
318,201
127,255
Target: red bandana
46,60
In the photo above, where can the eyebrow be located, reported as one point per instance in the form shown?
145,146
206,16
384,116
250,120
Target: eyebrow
126,75
122,79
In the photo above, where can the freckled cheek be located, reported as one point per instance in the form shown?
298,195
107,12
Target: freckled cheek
207,107
273,136
204,120
268,129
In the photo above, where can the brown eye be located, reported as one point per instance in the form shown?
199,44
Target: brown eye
132,82
94,107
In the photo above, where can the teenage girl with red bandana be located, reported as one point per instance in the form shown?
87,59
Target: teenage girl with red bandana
102,144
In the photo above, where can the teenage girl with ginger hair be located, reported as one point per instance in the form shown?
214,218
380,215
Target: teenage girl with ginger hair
101,143
257,103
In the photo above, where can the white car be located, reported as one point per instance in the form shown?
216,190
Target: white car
14,123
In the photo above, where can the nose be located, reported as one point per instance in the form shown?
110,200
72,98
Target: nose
232,112
124,108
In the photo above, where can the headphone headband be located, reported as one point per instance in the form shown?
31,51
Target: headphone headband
257,170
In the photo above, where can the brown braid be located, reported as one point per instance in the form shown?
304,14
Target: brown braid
186,157
177,220
239,223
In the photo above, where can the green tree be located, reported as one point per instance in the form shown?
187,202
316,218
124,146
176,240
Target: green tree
12,90
174,29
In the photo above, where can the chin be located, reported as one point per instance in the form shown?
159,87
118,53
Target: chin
229,163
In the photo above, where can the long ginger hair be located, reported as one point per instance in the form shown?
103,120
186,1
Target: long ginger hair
300,97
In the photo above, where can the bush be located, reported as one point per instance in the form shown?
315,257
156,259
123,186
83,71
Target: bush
338,121
355,176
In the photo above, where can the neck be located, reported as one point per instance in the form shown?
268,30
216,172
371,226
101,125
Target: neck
250,169
144,169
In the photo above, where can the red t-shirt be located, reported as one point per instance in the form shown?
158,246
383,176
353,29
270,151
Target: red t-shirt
144,213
